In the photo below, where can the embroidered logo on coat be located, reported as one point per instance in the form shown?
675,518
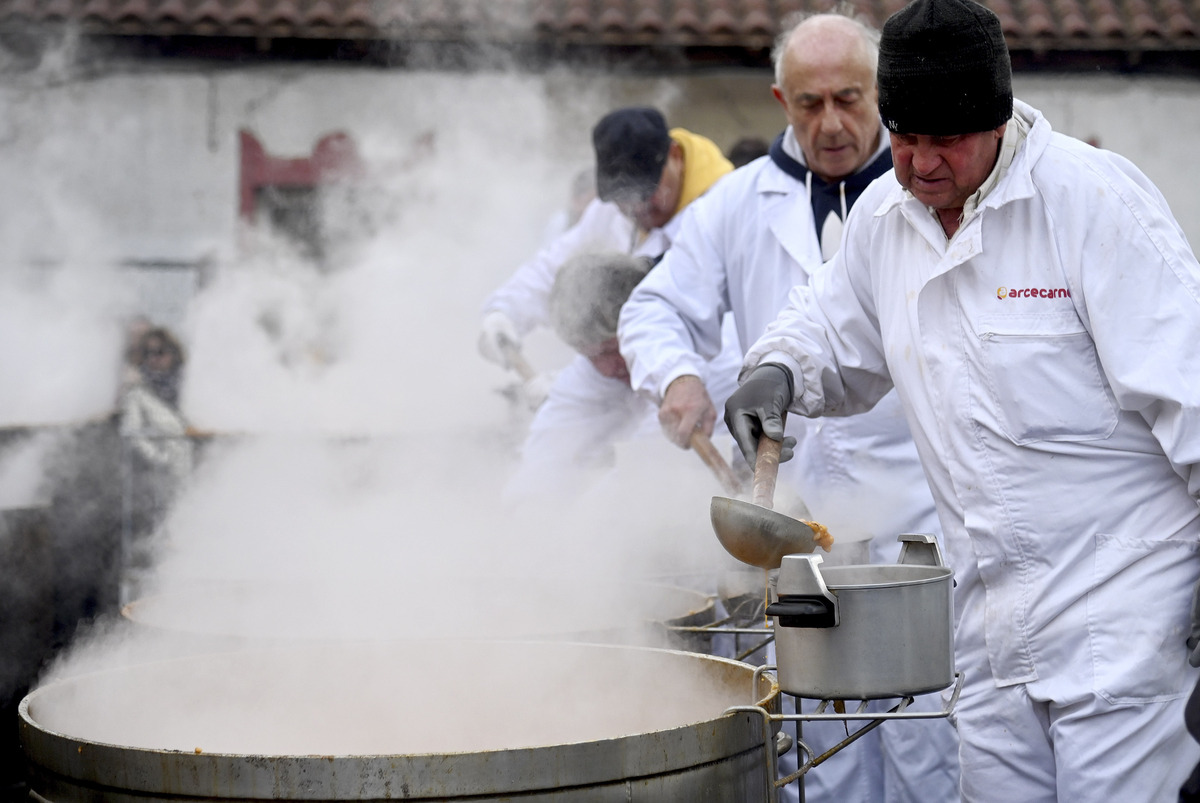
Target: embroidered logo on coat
1033,292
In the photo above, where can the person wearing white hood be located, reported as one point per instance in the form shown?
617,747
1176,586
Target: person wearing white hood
1036,306
762,230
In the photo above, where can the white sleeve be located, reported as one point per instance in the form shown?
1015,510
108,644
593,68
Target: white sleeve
1134,258
828,334
671,324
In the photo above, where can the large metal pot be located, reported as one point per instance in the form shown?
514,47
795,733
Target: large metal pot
863,632
488,722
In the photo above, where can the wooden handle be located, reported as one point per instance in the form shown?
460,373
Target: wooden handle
516,361
702,446
766,469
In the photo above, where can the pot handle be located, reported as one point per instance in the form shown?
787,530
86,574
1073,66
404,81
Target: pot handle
795,611
807,602
920,549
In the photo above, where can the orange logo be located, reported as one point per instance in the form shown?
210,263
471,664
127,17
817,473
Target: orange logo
1002,292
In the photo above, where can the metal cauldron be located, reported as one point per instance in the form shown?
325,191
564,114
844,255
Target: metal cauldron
868,631
488,722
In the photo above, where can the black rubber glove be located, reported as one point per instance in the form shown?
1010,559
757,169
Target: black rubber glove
757,408
1193,641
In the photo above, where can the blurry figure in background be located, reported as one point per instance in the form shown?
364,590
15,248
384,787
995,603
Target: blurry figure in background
746,150
157,450
135,328
740,250
591,406
582,192
645,175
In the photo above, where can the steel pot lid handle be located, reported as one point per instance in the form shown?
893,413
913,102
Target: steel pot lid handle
920,549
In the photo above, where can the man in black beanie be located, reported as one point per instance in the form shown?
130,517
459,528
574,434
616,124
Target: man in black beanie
1036,305
944,78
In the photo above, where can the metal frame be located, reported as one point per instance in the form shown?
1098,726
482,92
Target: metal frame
720,627
873,719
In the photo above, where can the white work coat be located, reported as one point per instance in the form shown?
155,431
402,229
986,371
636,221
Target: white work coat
1046,357
740,249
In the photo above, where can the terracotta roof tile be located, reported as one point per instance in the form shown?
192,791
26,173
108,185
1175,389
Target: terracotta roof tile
1106,19
1141,19
578,17
1071,18
686,18
1039,25
649,20
757,19
1177,22
721,23
612,16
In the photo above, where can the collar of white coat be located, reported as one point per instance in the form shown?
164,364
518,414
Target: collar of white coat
779,181
792,147
1011,178
1014,137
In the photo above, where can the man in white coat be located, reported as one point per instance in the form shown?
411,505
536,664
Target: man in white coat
645,174
649,173
1036,305
741,248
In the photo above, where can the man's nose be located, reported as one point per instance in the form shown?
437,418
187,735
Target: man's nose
925,159
831,121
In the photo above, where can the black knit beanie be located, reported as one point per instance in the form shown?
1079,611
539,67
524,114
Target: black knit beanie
944,69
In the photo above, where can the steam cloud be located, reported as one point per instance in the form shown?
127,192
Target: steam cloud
349,484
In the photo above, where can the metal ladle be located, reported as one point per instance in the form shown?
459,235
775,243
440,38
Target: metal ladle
751,531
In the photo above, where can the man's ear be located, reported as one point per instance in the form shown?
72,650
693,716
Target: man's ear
778,93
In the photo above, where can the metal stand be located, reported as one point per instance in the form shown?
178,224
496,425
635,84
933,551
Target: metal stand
723,626
873,720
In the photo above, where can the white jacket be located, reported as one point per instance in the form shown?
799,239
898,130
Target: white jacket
1047,363
156,431
740,249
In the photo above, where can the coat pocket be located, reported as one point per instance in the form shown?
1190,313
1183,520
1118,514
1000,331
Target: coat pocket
1043,378
1138,618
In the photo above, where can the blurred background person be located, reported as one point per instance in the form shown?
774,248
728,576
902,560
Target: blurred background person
746,150
157,452
645,174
